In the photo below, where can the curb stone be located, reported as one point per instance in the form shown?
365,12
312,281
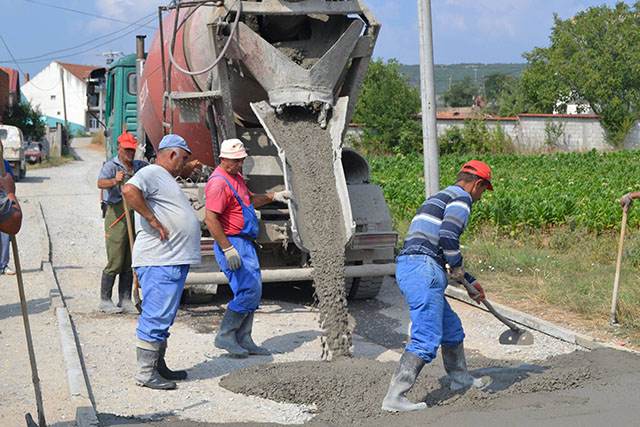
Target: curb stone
85,412
537,324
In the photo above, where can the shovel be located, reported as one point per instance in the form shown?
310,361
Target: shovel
136,285
616,280
512,336
27,327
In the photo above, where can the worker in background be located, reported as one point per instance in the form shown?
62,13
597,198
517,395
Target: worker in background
167,243
10,212
112,177
232,222
431,247
5,239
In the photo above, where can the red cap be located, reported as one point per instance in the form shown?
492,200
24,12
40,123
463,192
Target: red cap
127,140
478,168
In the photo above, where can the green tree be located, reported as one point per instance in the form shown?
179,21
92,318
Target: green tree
461,93
26,117
387,107
593,57
495,84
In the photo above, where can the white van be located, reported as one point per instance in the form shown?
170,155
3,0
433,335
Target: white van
13,144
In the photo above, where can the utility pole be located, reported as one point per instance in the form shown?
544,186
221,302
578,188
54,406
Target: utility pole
428,95
65,141
111,56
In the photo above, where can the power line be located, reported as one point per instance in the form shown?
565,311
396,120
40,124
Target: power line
82,51
18,65
84,43
80,12
11,54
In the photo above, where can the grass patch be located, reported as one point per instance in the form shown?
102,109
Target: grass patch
98,138
561,275
52,161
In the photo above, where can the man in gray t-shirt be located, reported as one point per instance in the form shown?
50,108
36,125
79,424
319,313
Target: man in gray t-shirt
167,243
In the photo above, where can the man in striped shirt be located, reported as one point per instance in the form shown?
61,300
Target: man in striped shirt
432,247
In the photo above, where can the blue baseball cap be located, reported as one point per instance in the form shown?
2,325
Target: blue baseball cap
172,140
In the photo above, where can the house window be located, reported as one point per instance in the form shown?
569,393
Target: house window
53,97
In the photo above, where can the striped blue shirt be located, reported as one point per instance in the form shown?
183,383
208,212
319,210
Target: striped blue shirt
436,228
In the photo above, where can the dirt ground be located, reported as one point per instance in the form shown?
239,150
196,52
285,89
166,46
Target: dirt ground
548,383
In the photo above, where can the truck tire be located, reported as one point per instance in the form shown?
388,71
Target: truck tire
23,173
359,288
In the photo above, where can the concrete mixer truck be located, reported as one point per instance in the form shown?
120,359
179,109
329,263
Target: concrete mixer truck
223,69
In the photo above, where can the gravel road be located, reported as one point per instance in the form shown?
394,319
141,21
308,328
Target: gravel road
286,323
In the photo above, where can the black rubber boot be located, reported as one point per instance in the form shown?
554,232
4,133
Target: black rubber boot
124,293
226,338
403,379
455,364
244,338
164,371
148,375
106,288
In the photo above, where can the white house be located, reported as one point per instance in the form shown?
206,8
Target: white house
45,91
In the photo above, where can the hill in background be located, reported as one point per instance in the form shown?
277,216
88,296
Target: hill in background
458,72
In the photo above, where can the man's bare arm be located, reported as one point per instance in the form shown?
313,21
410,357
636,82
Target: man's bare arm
135,199
215,229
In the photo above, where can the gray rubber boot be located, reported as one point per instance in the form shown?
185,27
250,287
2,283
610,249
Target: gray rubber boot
244,338
403,379
148,375
455,364
106,288
124,293
163,370
226,338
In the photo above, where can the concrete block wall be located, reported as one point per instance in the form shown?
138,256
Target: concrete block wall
528,131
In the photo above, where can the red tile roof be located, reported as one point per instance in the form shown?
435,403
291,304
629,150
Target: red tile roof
80,71
14,78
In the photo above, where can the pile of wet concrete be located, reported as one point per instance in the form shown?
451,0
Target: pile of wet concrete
350,391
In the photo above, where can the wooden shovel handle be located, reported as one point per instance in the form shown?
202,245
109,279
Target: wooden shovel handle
616,280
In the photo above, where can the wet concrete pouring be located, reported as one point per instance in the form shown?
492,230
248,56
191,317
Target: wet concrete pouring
309,154
534,385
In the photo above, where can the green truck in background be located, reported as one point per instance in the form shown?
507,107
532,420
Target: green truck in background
121,106
121,101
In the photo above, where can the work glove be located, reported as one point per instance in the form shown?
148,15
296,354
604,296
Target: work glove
626,201
456,273
233,258
282,196
479,297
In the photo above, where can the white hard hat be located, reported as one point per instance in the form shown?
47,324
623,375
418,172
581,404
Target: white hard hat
232,149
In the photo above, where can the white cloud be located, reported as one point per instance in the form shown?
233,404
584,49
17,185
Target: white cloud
452,21
495,18
126,9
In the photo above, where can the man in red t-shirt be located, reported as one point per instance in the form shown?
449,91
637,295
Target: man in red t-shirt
232,222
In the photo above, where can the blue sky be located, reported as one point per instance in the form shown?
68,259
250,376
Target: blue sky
483,31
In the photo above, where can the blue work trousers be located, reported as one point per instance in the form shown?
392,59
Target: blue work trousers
245,282
161,290
5,244
422,282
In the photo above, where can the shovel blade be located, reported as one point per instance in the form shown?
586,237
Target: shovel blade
520,337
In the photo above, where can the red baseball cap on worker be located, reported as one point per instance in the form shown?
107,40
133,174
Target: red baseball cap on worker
478,168
127,140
